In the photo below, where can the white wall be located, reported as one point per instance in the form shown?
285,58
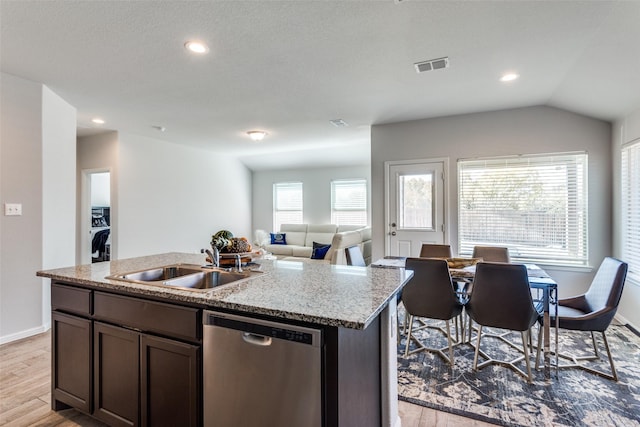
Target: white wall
173,198
624,130
43,237
58,188
518,131
316,184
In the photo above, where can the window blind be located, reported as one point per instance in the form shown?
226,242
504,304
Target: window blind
287,204
534,205
349,202
630,186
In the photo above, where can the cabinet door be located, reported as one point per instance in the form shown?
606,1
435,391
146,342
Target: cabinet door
71,362
116,385
170,378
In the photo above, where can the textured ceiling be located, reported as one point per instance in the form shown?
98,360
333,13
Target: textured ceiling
288,67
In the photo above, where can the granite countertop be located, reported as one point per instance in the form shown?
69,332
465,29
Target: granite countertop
334,295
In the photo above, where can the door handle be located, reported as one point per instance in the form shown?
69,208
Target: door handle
393,233
254,339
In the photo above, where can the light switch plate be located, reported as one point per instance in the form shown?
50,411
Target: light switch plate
12,209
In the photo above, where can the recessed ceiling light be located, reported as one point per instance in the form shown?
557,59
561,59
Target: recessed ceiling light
196,47
257,135
98,121
509,77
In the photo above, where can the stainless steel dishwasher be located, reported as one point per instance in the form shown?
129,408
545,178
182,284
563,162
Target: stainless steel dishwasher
260,373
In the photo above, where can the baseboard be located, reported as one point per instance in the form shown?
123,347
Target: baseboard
24,334
623,320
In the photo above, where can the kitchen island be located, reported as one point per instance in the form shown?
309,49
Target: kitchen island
112,337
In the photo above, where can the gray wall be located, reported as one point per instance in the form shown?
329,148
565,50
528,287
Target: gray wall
624,130
316,190
37,147
518,131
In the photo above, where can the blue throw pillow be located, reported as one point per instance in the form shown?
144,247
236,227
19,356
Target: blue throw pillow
319,250
278,238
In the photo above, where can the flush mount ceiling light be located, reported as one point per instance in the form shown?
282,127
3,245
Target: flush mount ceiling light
509,77
98,121
196,47
257,135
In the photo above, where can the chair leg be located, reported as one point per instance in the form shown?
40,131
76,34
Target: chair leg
475,357
450,341
408,334
595,347
526,335
613,368
575,360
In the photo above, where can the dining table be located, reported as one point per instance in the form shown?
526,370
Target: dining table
543,285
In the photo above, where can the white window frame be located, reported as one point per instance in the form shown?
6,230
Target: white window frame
354,208
536,205
630,208
290,208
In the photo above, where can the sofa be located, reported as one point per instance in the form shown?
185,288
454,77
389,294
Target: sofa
300,238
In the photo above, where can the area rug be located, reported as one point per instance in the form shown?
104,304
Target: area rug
499,395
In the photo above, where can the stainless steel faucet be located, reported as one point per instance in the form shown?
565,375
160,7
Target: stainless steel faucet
238,263
214,254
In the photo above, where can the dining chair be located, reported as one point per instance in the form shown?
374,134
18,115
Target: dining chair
501,298
491,253
430,294
593,311
431,250
354,256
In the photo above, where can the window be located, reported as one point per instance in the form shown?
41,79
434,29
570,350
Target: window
349,202
630,171
287,204
534,205
416,201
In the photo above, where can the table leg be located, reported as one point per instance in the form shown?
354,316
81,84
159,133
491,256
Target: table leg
546,324
547,344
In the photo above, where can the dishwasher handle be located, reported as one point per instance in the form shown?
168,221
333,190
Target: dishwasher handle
254,339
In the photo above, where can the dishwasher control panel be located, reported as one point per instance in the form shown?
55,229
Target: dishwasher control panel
264,328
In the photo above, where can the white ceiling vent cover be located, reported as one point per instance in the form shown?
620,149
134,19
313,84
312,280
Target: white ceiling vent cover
432,64
339,123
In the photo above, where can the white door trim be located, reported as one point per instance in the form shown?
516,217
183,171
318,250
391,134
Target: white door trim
387,207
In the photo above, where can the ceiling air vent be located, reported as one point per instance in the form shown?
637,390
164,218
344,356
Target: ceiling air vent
339,123
432,64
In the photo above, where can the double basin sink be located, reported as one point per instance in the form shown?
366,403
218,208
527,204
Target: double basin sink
185,276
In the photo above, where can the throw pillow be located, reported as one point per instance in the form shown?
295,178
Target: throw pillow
319,250
278,238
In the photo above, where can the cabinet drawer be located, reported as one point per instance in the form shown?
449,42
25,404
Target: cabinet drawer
68,298
149,316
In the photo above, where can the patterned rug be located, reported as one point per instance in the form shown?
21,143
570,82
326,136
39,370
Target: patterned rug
499,395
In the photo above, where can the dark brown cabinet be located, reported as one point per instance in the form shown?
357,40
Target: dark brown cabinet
126,361
71,362
116,390
170,377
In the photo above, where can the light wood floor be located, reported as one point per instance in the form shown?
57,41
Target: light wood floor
25,387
